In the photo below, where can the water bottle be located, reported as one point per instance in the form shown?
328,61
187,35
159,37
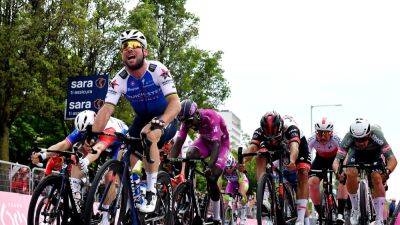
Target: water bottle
135,180
141,189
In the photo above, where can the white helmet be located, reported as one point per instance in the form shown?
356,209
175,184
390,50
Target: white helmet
231,161
360,128
133,35
324,125
83,119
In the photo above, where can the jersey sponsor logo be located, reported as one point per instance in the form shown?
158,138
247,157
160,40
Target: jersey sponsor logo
111,92
81,84
100,82
152,67
377,139
113,84
123,74
98,103
167,82
165,74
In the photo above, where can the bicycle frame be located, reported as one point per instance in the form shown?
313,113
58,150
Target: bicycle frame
363,185
327,176
269,170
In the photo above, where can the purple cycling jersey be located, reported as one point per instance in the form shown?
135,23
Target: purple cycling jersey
212,128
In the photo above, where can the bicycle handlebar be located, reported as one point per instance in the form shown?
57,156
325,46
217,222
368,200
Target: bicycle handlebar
142,141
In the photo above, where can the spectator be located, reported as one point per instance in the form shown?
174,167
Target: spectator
20,181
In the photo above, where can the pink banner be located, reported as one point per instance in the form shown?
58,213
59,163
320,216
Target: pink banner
13,208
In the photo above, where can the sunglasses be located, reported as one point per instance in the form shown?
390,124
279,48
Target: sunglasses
131,44
321,133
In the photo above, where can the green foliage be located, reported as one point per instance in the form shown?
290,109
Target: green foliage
170,30
251,175
42,43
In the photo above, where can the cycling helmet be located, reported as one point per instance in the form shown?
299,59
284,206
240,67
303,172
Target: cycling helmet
360,128
83,119
272,124
324,125
188,108
133,35
231,161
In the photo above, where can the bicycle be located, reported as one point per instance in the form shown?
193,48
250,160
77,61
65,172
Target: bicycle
328,201
275,197
232,211
52,201
187,208
111,191
367,212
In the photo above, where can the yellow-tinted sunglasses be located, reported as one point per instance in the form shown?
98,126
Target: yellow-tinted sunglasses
131,44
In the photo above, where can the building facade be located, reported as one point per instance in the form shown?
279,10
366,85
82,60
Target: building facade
234,128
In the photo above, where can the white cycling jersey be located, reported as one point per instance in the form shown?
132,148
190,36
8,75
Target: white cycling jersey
327,150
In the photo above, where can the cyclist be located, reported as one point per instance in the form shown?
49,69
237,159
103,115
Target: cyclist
236,182
150,89
213,142
282,132
82,120
326,143
365,143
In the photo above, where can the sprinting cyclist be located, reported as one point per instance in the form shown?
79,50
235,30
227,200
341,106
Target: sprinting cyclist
326,144
213,142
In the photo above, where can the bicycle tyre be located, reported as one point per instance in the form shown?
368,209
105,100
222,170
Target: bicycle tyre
34,212
265,184
164,202
182,205
289,215
363,204
207,204
89,216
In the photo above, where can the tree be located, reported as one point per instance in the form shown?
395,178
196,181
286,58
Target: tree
170,30
42,43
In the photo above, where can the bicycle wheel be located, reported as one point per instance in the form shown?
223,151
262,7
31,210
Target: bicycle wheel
43,205
289,213
107,196
266,202
182,205
207,211
329,209
162,213
229,216
364,220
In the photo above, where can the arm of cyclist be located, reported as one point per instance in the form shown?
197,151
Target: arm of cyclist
172,110
294,153
391,162
103,116
176,148
62,145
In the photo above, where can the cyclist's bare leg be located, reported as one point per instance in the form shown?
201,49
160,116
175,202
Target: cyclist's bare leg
302,188
302,194
313,183
314,190
342,198
352,186
378,194
76,172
